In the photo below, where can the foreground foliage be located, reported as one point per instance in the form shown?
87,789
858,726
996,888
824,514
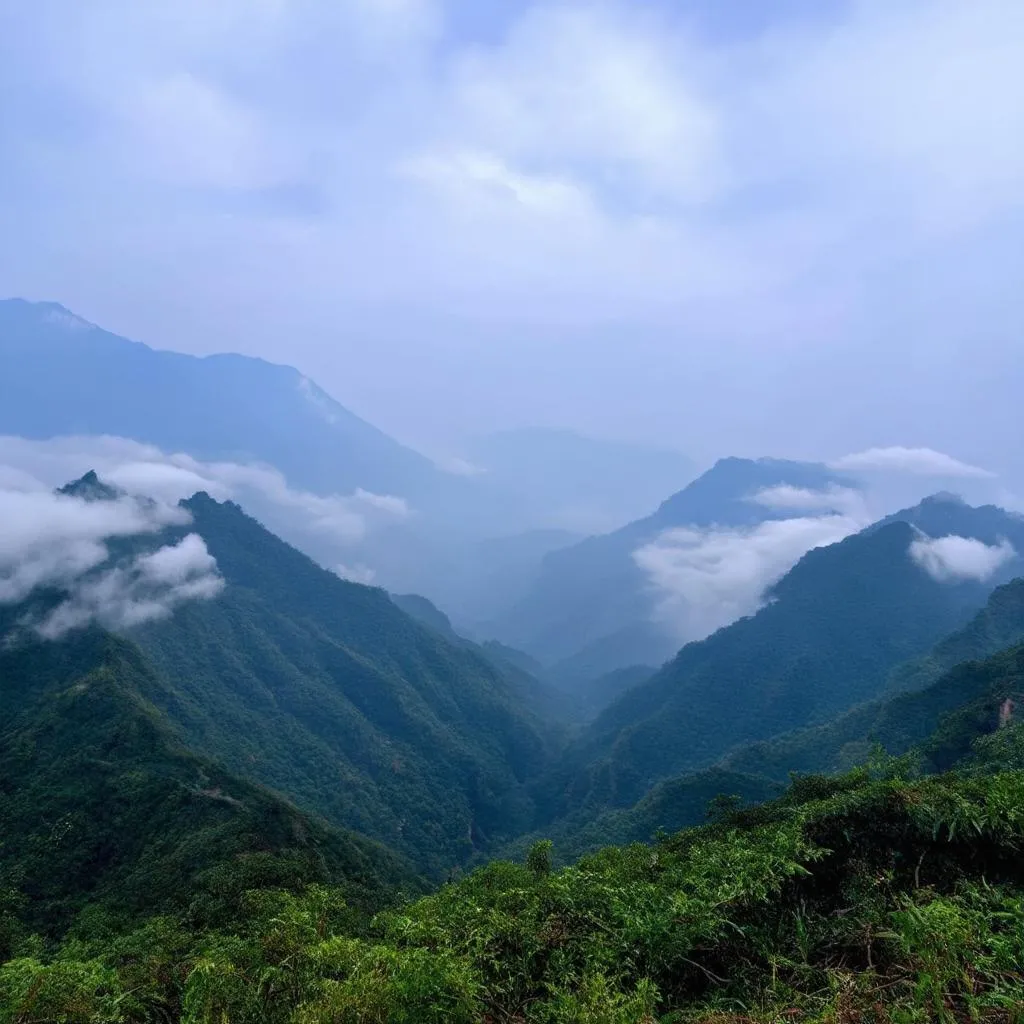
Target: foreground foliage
869,896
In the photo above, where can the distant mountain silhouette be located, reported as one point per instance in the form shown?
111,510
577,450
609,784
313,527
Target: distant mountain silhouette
591,609
60,375
469,539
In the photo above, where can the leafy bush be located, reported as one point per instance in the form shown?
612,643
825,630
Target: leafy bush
876,897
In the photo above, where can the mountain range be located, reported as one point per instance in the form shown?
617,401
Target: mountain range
55,376
327,691
593,608
829,636
228,774
299,737
472,541
955,689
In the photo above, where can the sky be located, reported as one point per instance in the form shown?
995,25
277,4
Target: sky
791,228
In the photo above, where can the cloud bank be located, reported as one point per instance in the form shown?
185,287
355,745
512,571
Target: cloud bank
834,499
141,469
956,559
706,579
147,589
60,544
915,461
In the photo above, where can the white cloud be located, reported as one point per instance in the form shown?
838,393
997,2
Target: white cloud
916,461
356,573
706,579
49,538
147,589
585,87
60,543
821,210
954,559
835,499
177,563
196,134
907,101
144,469
480,177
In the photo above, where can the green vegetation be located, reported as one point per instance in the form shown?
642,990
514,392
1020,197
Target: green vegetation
958,670
146,874
975,689
326,691
872,896
103,810
838,625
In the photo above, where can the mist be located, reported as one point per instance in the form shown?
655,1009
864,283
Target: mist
59,544
953,559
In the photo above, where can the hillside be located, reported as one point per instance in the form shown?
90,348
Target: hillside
526,676
328,692
940,722
592,609
868,897
102,806
143,880
961,668
829,638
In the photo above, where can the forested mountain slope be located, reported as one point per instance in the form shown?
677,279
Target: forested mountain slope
591,609
869,897
102,806
961,668
942,721
829,638
328,692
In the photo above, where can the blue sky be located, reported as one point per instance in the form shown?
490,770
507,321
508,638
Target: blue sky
790,228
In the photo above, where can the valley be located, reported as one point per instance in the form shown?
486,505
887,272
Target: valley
761,747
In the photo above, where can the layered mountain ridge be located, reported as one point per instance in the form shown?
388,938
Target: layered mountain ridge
592,609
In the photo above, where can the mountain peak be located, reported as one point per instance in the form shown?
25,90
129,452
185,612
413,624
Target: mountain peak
89,487
944,498
722,495
49,313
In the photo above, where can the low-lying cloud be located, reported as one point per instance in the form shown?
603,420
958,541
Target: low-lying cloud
915,461
143,469
706,579
147,589
49,539
60,543
955,559
356,573
833,499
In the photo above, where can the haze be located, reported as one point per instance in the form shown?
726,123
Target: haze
690,223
